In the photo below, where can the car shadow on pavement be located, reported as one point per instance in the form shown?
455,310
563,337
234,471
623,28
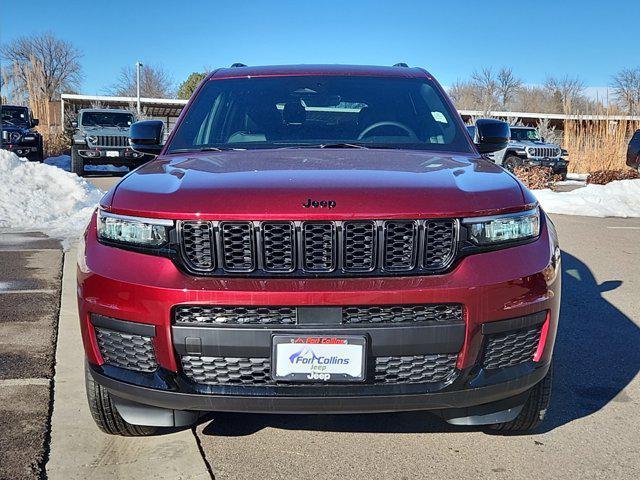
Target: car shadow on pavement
597,351
597,354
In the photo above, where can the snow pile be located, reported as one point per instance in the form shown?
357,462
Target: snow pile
44,198
64,162
616,199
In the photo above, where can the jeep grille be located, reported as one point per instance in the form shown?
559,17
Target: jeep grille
329,248
545,152
112,141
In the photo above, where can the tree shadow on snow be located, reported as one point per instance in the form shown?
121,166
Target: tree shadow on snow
597,354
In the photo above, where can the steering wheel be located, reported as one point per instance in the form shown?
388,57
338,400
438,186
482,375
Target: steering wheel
370,128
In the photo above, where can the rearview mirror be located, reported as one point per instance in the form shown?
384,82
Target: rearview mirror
146,136
491,135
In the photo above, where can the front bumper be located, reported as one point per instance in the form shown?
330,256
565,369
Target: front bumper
111,155
494,288
558,165
22,150
509,384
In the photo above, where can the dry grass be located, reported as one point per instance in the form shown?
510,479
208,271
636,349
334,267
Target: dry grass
55,144
595,146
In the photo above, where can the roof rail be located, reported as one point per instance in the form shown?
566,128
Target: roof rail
236,65
401,64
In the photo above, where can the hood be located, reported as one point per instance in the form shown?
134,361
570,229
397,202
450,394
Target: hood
534,143
124,131
275,184
15,128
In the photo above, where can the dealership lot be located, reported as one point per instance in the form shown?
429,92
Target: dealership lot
591,431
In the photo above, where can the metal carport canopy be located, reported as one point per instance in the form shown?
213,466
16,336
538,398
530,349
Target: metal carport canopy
152,107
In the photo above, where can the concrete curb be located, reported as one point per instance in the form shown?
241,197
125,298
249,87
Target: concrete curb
78,449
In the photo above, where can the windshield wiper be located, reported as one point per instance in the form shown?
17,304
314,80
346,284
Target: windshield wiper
342,145
205,149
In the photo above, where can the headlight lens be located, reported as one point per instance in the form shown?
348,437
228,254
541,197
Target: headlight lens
504,228
150,232
15,137
92,139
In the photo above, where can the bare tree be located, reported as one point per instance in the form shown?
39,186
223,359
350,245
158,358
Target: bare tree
155,82
463,95
566,92
485,89
626,89
42,66
508,86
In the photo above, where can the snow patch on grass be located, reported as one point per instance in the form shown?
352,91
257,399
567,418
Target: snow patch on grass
43,197
616,199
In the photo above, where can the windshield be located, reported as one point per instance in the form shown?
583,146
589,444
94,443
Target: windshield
525,134
15,115
106,119
323,111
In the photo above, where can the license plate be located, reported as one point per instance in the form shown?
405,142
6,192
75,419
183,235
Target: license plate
113,153
318,358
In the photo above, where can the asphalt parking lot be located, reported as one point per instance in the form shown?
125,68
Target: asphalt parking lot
592,429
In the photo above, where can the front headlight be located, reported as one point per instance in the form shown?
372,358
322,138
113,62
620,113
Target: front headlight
92,139
15,137
503,228
137,231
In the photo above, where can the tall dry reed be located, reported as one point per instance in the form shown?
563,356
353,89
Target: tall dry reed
600,145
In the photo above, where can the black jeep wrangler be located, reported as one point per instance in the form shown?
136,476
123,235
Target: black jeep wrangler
18,134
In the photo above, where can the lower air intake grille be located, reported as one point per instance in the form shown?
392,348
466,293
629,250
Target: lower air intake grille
511,348
134,352
227,371
415,369
257,371
402,313
217,315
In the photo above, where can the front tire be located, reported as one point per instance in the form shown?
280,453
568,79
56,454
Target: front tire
106,415
534,409
77,162
512,162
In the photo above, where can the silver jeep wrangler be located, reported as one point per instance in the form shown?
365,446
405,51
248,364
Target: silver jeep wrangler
527,148
101,137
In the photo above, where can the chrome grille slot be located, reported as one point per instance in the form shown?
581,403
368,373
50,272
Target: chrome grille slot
318,247
440,240
278,246
197,245
238,252
359,246
400,245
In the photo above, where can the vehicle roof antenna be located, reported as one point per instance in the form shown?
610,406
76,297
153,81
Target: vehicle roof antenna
236,65
401,64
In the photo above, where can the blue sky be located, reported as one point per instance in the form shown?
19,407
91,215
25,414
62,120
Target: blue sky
589,38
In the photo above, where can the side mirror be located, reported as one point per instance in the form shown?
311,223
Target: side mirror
35,122
74,124
491,135
146,136
542,139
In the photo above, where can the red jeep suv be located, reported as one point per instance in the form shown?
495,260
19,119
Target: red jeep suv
318,239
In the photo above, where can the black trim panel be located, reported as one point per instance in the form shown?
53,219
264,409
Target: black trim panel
413,339
133,328
518,323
